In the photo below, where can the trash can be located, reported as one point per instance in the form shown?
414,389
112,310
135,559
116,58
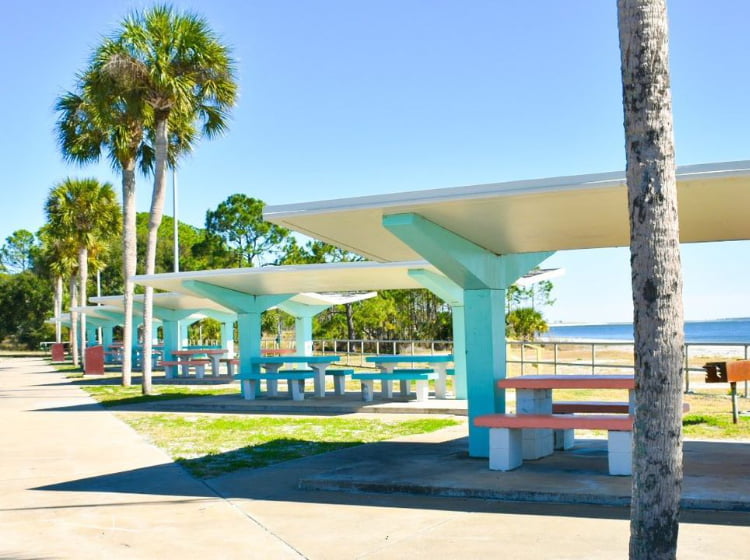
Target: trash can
58,352
94,360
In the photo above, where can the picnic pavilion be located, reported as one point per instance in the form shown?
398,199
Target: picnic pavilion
484,238
177,311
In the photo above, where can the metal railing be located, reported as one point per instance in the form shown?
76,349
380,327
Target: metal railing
555,357
354,352
523,358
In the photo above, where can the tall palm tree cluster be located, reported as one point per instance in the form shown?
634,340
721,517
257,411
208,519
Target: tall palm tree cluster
80,214
150,90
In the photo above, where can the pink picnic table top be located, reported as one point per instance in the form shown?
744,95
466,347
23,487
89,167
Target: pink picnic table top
568,382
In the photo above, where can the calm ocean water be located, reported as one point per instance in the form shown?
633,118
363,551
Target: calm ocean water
726,330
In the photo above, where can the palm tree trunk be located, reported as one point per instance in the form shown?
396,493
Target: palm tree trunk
58,307
83,273
656,279
157,209
129,257
74,320
351,331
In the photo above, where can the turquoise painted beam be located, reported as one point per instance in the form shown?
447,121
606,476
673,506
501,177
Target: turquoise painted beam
484,278
117,317
443,287
470,266
166,314
239,302
248,308
297,309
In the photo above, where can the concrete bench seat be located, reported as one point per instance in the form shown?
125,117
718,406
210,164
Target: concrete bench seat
231,364
421,376
507,451
564,439
170,367
295,382
339,379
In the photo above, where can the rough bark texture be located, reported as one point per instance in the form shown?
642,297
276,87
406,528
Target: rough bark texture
58,307
83,273
129,253
74,321
157,209
656,278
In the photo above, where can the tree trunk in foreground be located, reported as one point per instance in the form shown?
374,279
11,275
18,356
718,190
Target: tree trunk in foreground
58,307
74,320
83,273
656,279
157,209
129,257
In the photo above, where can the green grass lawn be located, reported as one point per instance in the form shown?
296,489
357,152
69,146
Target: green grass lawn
210,445
117,395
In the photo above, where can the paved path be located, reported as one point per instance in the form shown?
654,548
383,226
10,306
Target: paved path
76,482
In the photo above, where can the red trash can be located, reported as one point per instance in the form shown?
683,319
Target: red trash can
58,352
94,360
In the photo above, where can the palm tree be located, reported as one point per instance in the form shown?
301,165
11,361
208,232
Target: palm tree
98,117
82,211
60,260
656,278
185,75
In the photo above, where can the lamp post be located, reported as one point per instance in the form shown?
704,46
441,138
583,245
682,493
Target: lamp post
176,229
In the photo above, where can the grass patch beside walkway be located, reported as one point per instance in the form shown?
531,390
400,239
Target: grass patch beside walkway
117,395
212,445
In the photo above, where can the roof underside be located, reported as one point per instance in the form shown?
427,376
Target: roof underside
580,212
303,279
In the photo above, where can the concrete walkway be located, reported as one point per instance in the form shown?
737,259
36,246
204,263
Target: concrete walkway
76,482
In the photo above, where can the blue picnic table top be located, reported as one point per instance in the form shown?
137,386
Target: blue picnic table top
293,359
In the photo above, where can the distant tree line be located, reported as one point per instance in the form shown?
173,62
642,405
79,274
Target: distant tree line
235,235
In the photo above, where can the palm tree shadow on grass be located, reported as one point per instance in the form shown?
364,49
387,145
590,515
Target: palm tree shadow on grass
259,456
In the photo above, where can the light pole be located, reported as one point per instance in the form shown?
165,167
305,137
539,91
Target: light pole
174,214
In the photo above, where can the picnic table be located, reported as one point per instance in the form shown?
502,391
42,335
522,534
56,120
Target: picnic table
213,355
318,364
438,362
540,424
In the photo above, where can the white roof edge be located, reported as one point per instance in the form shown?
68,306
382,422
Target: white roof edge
198,274
526,186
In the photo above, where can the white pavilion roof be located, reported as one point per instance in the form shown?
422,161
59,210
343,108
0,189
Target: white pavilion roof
577,212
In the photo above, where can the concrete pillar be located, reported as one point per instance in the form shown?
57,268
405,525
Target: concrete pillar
484,277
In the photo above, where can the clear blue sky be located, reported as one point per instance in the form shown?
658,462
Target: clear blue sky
357,97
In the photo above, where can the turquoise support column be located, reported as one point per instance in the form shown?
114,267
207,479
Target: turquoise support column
227,337
248,308
303,334
171,337
303,329
171,327
447,290
137,323
107,336
184,339
90,334
250,334
459,352
484,277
